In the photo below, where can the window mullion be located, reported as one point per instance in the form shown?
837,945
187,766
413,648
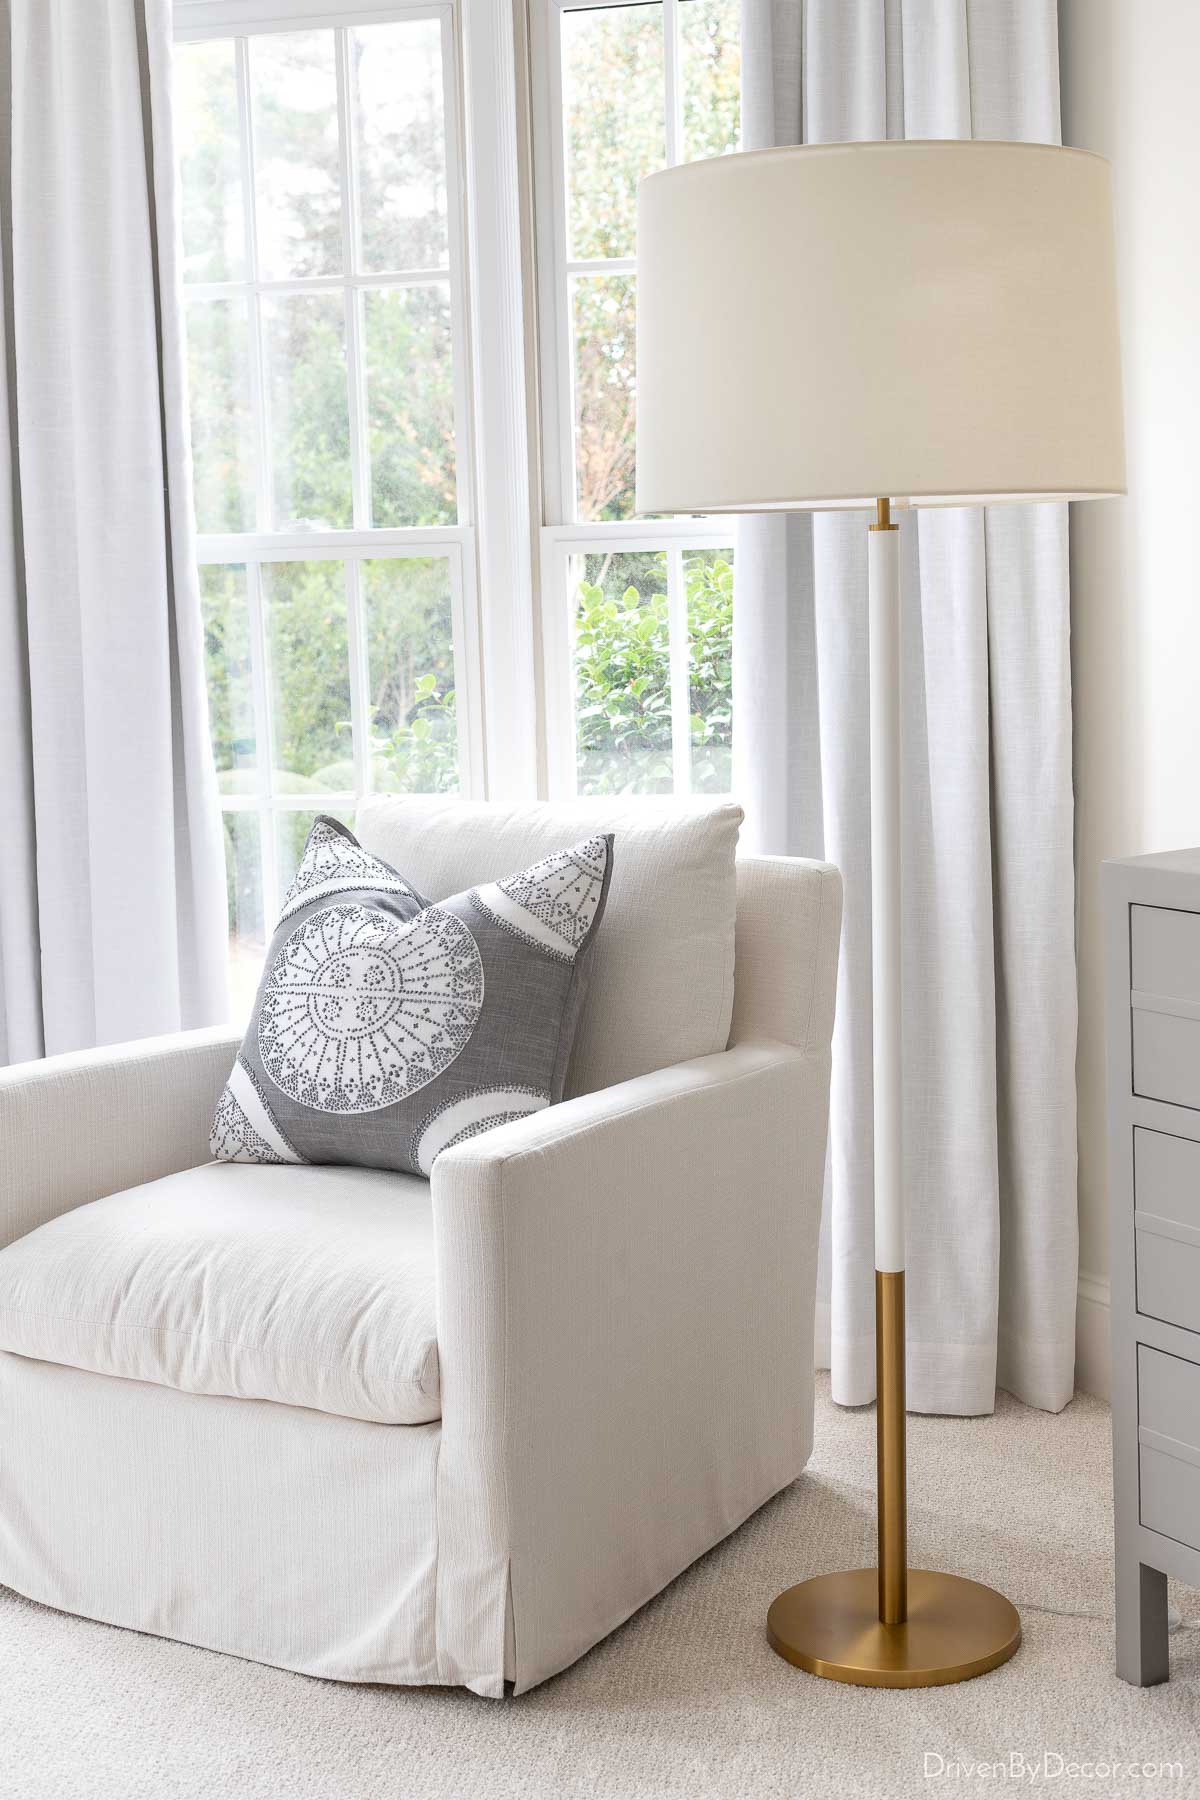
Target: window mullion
356,639
558,666
263,756
681,712
563,505
608,265
465,470
359,453
263,753
322,284
468,675
258,391
671,82
500,394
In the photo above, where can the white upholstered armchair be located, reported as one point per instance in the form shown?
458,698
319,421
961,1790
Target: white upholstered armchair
611,1304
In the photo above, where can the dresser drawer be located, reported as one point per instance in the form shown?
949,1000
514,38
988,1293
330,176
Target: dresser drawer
1164,950
1166,1187
1165,978
1169,1444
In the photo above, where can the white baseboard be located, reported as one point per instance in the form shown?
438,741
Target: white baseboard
1093,1351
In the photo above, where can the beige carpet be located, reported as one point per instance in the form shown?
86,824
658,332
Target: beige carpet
686,1700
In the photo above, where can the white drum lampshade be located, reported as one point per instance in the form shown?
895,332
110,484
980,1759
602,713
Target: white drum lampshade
823,325
854,325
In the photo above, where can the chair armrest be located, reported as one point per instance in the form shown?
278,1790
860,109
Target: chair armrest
625,1294
77,1127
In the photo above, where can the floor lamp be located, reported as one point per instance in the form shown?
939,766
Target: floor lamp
879,325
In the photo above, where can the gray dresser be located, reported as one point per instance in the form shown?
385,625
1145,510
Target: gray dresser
1152,1033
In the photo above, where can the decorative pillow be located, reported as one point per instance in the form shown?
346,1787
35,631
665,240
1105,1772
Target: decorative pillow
386,1029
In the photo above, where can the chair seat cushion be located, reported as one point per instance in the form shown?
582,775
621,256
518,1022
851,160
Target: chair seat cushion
309,1286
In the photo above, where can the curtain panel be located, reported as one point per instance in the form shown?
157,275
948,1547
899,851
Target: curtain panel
988,886
112,908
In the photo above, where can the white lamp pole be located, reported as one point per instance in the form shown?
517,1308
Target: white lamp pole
913,323
883,603
883,564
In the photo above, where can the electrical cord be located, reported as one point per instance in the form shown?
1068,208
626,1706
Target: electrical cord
1175,1619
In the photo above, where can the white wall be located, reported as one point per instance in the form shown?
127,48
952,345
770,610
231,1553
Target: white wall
1129,90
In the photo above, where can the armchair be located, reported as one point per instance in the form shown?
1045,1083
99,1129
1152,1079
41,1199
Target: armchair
623,1290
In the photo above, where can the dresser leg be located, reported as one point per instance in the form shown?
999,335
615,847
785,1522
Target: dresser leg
1142,1656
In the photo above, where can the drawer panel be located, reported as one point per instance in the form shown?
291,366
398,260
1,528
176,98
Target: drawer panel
1165,951
1169,1444
1166,1052
1166,1176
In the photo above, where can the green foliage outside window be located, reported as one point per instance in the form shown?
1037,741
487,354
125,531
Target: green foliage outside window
419,755
708,581
413,743
623,677
614,104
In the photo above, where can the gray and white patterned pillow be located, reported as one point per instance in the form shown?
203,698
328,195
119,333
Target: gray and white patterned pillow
386,1029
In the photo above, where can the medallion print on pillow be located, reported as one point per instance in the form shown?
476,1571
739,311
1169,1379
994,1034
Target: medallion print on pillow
244,1129
332,865
387,1029
554,903
359,1010
466,1116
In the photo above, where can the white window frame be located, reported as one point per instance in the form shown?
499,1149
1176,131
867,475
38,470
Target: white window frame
489,551
563,534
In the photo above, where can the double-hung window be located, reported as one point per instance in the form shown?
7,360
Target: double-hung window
637,614
380,242
326,318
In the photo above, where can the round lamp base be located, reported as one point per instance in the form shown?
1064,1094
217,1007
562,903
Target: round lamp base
955,1629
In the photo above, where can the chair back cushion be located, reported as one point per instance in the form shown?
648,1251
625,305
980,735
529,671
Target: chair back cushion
661,983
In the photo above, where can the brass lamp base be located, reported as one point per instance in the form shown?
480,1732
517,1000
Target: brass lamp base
955,1629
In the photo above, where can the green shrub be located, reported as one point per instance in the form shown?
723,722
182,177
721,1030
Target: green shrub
623,681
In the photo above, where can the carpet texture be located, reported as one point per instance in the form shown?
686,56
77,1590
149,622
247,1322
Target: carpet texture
686,1699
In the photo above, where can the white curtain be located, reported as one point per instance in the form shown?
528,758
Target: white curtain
989,973
111,867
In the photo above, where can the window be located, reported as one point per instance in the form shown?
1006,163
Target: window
324,266
359,298
637,614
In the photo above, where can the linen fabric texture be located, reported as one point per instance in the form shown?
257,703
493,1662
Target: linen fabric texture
112,883
387,1028
309,1287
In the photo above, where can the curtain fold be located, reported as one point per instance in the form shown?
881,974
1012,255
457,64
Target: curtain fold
988,889
112,910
